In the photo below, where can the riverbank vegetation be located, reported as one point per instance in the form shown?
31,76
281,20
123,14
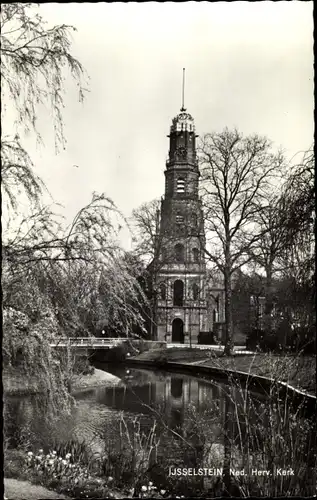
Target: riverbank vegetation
236,431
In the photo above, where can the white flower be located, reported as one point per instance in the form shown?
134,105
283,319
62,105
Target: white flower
144,488
163,492
48,456
68,455
30,454
50,462
110,479
40,451
150,483
60,458
64,462
54,453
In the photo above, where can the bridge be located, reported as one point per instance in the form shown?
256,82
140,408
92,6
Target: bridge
109,343
88,342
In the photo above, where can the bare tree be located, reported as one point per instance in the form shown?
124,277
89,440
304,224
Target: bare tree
298,259
149,239
266,254
145,223
237,173
285,248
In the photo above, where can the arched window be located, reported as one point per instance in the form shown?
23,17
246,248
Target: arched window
195,291
178,294
195,254
179,252
163,291
180,185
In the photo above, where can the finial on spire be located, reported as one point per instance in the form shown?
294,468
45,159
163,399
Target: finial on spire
183,91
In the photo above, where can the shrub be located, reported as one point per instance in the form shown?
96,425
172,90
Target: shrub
14,462
303,339
207,338
83,367
283,339
138,346
64,474
254,339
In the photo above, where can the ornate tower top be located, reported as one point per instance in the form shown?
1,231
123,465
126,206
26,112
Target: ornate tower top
183,121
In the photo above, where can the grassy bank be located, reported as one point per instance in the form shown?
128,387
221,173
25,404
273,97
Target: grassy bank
96,379
31,476
298,371
24,490
17,383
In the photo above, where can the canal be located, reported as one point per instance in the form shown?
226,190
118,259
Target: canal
184,434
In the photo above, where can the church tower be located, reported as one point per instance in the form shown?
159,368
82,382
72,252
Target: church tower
181,312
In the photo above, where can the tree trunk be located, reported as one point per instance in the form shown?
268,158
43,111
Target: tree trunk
153,305
268,299
153,320
228,350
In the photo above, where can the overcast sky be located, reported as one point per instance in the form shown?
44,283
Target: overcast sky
248,65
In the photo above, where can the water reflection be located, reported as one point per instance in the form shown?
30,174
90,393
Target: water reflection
199,423
143,390
182,404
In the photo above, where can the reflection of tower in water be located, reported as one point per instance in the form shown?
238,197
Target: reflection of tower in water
194,416
189,412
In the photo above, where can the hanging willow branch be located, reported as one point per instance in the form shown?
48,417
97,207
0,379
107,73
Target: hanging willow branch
34,64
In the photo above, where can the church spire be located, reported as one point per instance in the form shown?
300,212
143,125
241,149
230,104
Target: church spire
183,91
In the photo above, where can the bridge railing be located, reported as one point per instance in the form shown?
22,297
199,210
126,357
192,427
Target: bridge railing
87,341
93,341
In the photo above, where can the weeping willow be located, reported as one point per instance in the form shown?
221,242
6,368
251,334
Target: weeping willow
57,281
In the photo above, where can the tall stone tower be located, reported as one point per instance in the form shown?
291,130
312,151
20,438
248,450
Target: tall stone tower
181,311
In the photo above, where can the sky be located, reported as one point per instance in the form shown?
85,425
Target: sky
248,65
